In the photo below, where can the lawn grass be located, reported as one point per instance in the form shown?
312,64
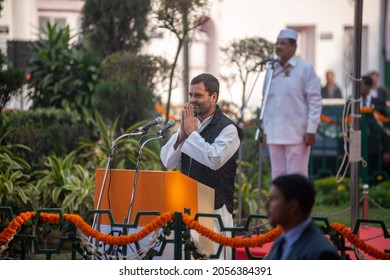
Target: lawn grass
342,214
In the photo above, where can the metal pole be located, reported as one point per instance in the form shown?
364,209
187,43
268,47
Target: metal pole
178,236
266,87
133,191
96,217
260,177
108,167
354,195
185,55
365,203
259,137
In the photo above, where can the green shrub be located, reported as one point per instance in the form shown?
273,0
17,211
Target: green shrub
380,195
67,185
385,185
63,74
331,192
46,132
16,186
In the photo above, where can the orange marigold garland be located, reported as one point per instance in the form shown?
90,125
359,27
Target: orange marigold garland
327,120
164,218
123,239
360,243
8,233
381,117
366,110
235,242
363,110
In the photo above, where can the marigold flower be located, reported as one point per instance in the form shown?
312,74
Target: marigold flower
340,188
359,243
8,233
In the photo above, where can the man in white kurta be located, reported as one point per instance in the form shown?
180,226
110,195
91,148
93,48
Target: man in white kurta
207,160
292,110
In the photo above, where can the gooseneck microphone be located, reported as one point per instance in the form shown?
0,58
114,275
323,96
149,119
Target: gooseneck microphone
170,123
146,127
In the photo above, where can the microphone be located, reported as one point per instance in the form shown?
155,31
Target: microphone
145,127
265,61
170,123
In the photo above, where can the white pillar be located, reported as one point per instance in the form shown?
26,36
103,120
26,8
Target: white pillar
24,20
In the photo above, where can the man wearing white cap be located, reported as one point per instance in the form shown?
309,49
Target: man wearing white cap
292,110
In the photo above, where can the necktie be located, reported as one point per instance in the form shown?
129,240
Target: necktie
279,249
364,101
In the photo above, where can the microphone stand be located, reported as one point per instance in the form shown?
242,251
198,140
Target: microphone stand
249,95
262,64
108,167
136,176
266,87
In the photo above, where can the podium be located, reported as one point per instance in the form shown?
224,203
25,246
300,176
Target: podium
162,191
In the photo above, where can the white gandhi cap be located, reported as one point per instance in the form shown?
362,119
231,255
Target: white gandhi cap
288,33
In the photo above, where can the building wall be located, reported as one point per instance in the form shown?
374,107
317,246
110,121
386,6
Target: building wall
22,16
68,10
21,20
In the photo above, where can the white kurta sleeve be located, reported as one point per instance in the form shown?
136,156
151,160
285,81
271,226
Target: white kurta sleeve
213,155
169,156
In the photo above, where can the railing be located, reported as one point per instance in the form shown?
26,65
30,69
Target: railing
23,236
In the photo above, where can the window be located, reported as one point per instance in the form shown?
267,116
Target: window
43,21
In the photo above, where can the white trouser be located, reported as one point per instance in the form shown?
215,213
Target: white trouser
289,159
227,220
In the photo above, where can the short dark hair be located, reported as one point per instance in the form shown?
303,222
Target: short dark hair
211,83
296,186
367,80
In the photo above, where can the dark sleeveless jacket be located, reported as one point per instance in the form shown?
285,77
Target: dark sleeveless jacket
221,180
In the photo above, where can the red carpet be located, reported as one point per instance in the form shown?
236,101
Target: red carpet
372,235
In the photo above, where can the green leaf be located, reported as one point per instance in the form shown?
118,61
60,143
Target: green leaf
56,192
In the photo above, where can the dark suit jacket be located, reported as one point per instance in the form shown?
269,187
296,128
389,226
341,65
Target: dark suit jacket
382,94
311,245
375,135
325,93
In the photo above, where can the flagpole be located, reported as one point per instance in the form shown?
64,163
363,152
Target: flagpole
355,146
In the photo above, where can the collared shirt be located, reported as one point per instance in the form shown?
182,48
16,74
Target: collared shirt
213,155
368,101
373,92
294,103
292,236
